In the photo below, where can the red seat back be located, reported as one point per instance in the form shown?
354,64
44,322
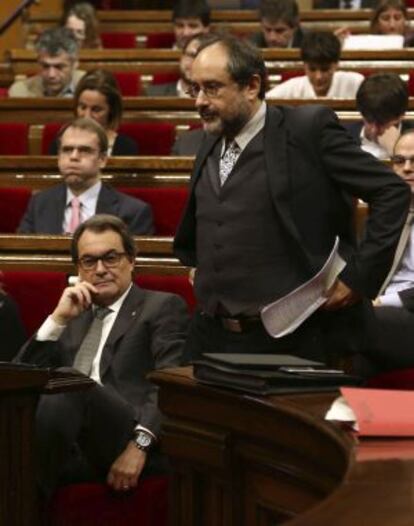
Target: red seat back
4,93
129,83
165,78
118,40
13,204
50,131
14,138
167,206
175,284
290,74
400,379
36,293
153,138
96,505
160,40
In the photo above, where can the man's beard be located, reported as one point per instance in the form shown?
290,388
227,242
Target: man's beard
229,127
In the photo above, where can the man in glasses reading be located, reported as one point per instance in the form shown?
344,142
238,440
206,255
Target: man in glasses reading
82,154
111,330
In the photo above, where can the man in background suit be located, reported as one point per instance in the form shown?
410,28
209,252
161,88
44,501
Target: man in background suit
269,195
82,147
382,100
280,25
57,51
110,430
189,18
393,340
344,4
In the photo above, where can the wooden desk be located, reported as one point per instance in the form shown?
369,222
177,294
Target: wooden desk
249,461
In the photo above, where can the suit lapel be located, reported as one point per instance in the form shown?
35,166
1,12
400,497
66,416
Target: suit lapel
56,210
276,149
107,201
129,311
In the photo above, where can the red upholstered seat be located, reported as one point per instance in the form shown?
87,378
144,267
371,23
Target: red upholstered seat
167,206
290,74
411,81
160,40
4,93
165,78
97,505
50,131
13,204
129,83
153,138
176,284
14,138
36,293
118,40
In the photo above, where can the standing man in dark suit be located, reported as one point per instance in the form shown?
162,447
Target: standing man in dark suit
109,431
269,195
280,25
82,154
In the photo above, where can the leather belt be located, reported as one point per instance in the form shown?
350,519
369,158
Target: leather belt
242,324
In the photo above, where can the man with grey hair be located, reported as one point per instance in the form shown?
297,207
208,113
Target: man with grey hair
57,51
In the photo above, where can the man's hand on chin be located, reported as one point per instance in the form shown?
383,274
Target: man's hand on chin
127,468
340,296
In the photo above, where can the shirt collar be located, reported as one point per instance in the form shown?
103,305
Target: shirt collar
250,129
91,194
116,305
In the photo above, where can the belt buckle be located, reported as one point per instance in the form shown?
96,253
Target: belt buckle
232,324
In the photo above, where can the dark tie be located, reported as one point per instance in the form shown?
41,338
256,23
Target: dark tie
89,346
228,161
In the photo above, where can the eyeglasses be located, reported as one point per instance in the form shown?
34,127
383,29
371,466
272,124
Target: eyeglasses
210,89
83,151
109,260
401,159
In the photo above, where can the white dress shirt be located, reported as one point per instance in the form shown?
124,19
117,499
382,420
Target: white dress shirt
88,201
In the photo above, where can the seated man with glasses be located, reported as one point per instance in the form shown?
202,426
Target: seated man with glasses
111,330
393,338
82,154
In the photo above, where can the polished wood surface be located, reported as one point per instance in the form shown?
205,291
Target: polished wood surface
243,460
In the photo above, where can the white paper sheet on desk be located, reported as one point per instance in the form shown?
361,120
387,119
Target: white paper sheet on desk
373,42
286,314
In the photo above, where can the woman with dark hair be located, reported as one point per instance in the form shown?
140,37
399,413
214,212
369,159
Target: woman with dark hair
390,17
81,19
97,97
12,332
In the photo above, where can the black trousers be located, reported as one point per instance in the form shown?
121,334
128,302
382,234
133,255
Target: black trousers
329,337
80,434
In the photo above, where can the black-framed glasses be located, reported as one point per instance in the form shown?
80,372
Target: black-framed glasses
210,89
110,260
401,159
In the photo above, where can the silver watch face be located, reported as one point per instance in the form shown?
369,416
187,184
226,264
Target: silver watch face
143,440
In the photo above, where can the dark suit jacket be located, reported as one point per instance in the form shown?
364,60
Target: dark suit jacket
45,212
148,334
12,331
355,128
313,166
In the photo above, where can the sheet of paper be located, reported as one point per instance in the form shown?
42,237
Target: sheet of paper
381,412
341,412
288,313
373,42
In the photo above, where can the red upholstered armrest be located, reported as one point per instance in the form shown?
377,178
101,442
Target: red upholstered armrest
96,505
176,284
167,206
13,204
36,293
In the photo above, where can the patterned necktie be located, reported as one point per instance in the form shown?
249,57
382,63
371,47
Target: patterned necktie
228,161
90,344
75,218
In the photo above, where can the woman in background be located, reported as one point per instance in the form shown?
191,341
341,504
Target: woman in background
390,17
81,19
97,97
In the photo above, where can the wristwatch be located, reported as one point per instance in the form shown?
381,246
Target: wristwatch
143,440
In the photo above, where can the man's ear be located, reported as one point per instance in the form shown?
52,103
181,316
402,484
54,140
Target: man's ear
253,87
103,159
